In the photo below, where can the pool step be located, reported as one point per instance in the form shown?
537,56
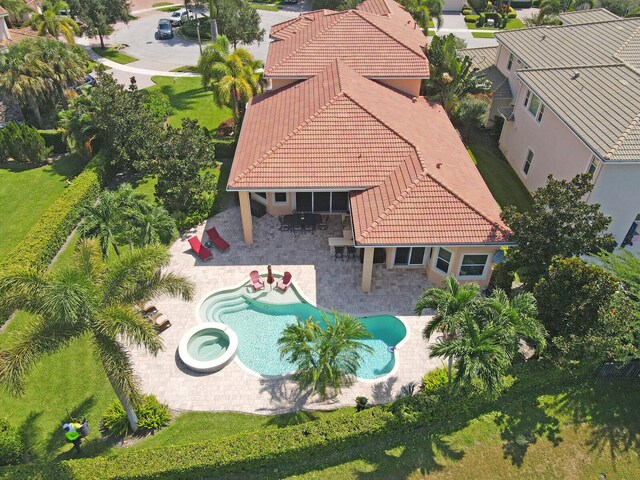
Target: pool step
228,305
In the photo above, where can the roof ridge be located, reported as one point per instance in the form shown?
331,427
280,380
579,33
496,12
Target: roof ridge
574,25
362,14
588,10
570,67
623,136
626,43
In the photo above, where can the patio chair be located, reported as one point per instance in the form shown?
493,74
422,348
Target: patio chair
283,227
162,326
298,229
202,252
220,243
351,253
285,282
339,253
256,281
324,224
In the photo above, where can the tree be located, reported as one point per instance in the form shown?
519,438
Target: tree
34,70
239,22
90,298
436,8
77,121
626,268
449,302
186,183
102,222
470,113
480,352
419,11
16,8
231,75
99,16
561,223
452,77
51,22
326,359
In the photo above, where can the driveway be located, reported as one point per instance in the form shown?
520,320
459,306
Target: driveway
139,35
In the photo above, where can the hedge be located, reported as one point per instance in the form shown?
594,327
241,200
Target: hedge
471,18
224,147
521,4
54,139
43,241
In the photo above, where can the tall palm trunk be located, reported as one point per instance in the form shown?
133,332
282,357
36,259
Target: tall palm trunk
33,105
115,248
450,368
128,407
213,23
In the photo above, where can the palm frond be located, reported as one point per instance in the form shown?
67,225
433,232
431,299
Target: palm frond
116,363
122,321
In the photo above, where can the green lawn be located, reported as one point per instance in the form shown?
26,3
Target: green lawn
161,4
482,34
186,68
503,182
114,55
270,8
147,186
512,24
26,192
190,100
175,8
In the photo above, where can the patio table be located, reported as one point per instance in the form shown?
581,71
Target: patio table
302,219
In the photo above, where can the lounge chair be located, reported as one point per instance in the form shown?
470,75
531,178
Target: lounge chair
202,252
285,282
220,243
256,281
161,326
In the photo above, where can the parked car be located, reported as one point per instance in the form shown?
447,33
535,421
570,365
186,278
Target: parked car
165,30
181,16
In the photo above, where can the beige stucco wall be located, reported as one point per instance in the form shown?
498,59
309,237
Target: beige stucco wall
277,83
4,31
617,189
556,149
502,61
410,86
493,109
274,208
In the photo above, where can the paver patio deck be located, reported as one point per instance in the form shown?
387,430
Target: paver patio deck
325,282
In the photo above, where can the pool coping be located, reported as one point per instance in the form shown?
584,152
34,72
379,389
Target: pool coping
298,292
215,364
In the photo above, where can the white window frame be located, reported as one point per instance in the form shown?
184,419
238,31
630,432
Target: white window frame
540,113
535,112
450,261
595,163
526,169
526,98
258,198
407,265
510,61
484,268
286,198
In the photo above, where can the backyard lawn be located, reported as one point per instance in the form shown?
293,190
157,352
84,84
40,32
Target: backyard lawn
26,192
114,55
502,181
512,24
190,100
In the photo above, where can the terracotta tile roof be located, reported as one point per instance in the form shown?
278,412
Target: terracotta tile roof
375,45
341,130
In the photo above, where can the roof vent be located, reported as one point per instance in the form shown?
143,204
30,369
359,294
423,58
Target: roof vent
543,37
576,75
414,99
438,165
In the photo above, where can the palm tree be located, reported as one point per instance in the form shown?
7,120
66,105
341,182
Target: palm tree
152,224
52,23
326,359
16,8
67,64
102,221
78,121
90,298
230,74
448,302
480,353
516,318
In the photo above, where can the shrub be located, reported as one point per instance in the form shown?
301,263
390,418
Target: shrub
466,6
471,18
512,15
479,5
224,147
468,11
226,128
189,29
482,19
22,143
435,382
152,416
54,139
525,4
11,445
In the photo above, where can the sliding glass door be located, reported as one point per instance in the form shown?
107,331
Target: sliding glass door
322,202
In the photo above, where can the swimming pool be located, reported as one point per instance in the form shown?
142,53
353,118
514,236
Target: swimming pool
259,323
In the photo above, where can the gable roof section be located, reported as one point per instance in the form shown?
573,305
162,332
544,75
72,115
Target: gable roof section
587,16
374,45
484,59
339,130
599,103
582,44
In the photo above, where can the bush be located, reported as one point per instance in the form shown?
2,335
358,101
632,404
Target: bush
152,416
189,29
467,11
526,4
479,5
54,139
471,18
22,143
512,15
11,446
435,382
482,19
466,6
224,147
226,128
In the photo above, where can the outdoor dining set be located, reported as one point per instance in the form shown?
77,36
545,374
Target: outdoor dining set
302,222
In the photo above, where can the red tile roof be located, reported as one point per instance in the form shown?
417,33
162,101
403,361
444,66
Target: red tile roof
374,43
411,178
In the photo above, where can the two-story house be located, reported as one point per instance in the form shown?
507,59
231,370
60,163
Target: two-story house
343,131
575,106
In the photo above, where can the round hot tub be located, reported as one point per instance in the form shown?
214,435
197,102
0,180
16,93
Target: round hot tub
208,347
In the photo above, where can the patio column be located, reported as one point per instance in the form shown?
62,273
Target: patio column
245,214
367,269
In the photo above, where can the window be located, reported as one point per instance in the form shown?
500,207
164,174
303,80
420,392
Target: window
526,99
534,104
444,260
409,256
527,163
540,113
510,62
326,202
340,202
322,201
280,197
593,166
473,265
262,194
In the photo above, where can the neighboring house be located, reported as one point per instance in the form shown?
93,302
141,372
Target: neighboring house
4,29
342,135
575,107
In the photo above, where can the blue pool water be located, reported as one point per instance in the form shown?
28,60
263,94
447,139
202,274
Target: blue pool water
260,324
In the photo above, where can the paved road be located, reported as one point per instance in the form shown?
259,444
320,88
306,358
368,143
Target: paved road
176,52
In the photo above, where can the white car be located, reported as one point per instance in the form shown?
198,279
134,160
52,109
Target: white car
181,16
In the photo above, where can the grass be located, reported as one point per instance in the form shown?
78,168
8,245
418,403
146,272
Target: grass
147,187
270,8
190,100
26,192
186,68
502,181
512,24
175,8
114,55
482,34
161,4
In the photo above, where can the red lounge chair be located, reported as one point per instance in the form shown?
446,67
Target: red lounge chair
220,243
285,282
200,250
256,281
